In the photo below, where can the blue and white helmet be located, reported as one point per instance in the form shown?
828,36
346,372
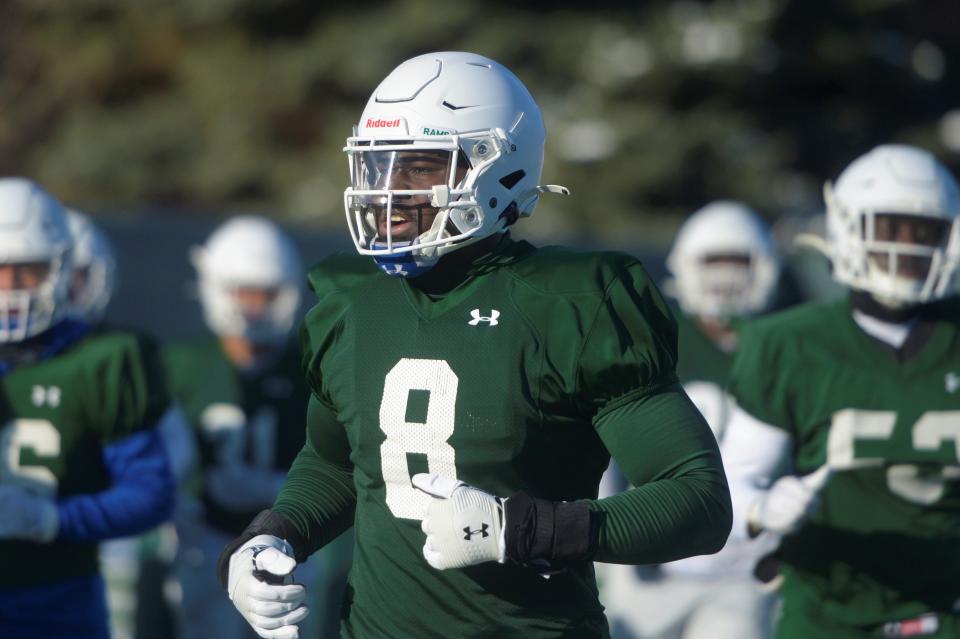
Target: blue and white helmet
93,275
483,131
33,231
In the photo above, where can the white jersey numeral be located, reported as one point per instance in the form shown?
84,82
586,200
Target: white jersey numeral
39,436
427,438
904,480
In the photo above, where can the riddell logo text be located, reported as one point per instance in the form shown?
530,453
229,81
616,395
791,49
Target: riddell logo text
379,123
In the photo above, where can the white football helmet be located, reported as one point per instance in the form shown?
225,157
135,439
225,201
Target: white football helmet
724,262
892,226
33,230
481,133
248,253
94,269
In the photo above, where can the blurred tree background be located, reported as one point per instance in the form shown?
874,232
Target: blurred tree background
652,108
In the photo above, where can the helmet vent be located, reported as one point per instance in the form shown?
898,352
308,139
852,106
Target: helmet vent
510,181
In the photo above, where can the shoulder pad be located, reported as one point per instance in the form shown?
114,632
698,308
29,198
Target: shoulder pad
563,270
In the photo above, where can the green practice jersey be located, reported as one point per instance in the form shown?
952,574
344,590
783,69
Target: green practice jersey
56,416
500,383
885,542
704,369
253,420
700,359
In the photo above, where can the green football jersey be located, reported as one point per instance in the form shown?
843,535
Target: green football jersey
699,358
497,383
885,542
56,416
256,420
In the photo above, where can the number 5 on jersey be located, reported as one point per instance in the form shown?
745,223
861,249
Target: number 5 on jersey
429,437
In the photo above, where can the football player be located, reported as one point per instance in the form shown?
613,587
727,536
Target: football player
468,391
725,266
846,437
243,391
127,561
81,458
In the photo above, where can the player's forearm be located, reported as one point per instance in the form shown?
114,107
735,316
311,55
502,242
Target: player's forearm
664,520
141,496
318,500
681,504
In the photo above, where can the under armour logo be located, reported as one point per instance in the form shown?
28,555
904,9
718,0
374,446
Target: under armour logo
952,382
394,269
45,396
482,531
489,319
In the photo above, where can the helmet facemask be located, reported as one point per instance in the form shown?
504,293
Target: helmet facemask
412,201
259,313
726,283
31,297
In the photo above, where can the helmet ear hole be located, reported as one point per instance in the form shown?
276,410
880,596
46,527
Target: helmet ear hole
509,181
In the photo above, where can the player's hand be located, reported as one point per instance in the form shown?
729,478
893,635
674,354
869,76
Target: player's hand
788,503
26,516
464,525
260,584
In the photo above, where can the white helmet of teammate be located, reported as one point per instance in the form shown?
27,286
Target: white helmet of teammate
249,253
892,226
724,262
455,135
94,269
33,234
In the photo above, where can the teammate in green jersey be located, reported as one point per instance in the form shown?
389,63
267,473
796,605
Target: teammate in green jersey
244,393
468,391
81,456
725,267
846,437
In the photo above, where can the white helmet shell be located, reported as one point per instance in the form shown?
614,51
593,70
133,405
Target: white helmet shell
94,268
892,179
720,290
33,229
479,112
248,252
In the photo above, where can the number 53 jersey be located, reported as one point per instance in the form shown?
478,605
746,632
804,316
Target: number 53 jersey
885,542
496,384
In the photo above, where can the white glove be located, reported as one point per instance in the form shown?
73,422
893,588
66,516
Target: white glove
26,516
261,586
789,502
464,525
242,489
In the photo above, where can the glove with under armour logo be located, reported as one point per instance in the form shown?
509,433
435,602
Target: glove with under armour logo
467,526
464,525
